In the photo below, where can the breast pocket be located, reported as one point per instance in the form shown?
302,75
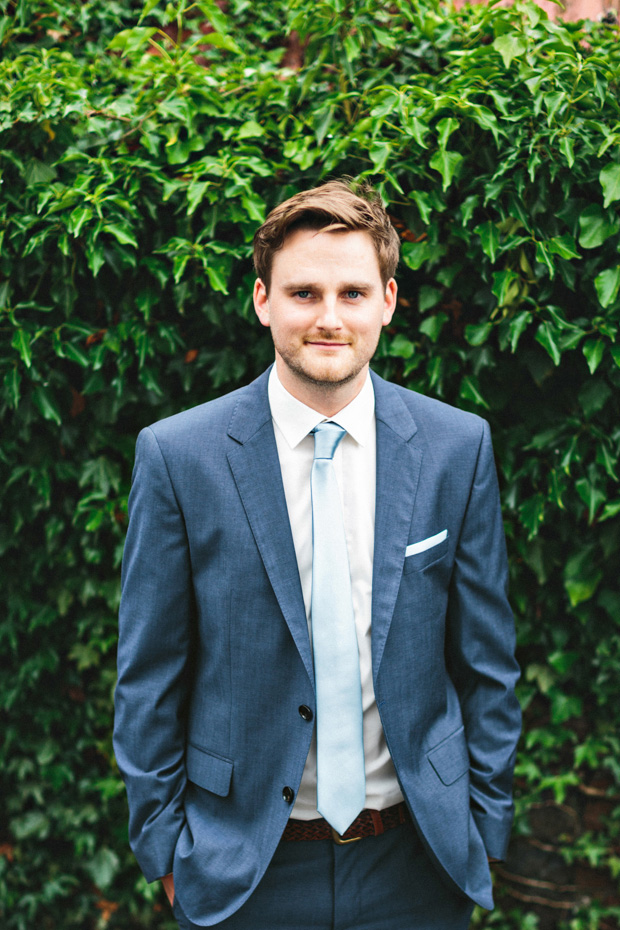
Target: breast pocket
426,552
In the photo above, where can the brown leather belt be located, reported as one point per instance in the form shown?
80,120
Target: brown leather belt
368,823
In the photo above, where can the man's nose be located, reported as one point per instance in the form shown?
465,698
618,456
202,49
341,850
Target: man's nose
329,317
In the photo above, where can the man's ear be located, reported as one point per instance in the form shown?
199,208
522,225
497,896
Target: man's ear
261,302
389,306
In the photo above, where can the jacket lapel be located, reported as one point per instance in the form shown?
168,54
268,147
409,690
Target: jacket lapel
256,469
398,472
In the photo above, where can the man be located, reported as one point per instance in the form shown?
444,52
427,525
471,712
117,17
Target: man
318,548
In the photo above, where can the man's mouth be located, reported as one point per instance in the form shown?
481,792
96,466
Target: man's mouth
322,343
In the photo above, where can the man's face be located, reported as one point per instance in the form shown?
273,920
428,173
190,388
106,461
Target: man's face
326,306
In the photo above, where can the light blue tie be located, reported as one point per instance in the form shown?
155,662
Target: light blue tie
341,785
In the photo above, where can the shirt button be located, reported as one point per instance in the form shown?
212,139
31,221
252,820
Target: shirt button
305,713
288,794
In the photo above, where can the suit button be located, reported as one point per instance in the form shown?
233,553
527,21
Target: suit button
288,794
305,713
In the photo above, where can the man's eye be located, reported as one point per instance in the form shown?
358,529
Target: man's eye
353,295
302,294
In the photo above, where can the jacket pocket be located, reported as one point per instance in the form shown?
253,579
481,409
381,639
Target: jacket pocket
420,560
208,771
451,758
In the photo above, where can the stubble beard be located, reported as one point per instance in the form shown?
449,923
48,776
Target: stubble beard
327,381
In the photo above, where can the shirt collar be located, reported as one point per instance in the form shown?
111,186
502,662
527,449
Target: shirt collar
295,419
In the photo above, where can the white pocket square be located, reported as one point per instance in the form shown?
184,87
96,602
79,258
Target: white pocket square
425,544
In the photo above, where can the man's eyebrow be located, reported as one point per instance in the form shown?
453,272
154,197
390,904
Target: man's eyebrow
317,286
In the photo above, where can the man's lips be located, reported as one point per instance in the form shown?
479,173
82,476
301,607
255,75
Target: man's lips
323,344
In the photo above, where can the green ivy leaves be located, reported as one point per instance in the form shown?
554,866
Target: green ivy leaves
610,182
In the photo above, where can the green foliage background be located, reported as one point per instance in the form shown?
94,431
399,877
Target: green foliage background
139,149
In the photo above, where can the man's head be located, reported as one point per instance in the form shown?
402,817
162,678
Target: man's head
325,260
336,205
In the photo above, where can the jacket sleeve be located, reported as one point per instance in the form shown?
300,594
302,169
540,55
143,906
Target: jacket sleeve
155,633
480,654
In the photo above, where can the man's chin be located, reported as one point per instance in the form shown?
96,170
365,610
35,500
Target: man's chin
325,376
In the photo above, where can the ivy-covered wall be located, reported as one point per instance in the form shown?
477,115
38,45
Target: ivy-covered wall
139,149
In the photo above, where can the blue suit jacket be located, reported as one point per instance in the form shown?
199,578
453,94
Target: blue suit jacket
215,660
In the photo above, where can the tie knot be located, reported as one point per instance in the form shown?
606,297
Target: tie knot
326,438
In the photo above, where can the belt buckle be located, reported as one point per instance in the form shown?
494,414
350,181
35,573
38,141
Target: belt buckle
339,840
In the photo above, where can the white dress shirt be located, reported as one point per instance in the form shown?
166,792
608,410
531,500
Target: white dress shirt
355,467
